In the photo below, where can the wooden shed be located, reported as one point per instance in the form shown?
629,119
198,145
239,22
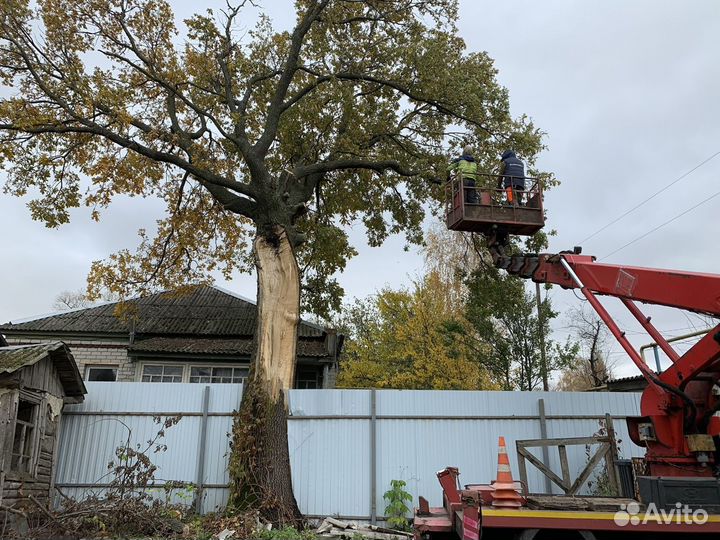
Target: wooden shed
35,382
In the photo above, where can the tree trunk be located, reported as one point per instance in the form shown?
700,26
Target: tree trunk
259,461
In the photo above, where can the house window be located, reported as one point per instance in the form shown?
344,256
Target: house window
197,373
101,373
162,373
23,452
308,378
217,374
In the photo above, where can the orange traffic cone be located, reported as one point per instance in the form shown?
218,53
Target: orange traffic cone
505,494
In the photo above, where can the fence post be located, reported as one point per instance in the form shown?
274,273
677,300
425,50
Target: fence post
373,457
200,468
545,449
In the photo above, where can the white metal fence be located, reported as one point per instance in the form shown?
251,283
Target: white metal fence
345,445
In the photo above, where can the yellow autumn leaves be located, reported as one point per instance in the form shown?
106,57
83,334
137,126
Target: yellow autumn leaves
408,339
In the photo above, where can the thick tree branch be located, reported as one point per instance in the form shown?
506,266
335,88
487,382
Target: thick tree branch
204,176
173,89
275,109
340,164
440,106
175,126
305,91
223,188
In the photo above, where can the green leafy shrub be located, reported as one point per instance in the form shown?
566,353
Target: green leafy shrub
396,510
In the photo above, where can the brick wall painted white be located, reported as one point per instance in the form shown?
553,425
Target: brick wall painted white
96,353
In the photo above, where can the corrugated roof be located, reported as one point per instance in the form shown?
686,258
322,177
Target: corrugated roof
307,347
204,310
632,378
16,357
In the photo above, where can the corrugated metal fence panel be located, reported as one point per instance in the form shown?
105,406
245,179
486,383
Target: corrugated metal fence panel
413,450
417,434
224,399
329,402
456,403
330,462
143,397
92,431
330,456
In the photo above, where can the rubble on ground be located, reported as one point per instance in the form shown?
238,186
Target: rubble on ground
335,528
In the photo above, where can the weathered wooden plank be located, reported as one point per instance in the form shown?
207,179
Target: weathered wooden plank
530,443
42,376
564,466
589,468
27,485
612,456
610,504
569,502
557,502
47,444
523,471
8,411
545,470
23,492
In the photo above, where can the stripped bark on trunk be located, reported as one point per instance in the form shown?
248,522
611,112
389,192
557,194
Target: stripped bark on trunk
260,461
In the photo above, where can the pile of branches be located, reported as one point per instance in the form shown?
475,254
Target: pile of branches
109,515
123,507
112,516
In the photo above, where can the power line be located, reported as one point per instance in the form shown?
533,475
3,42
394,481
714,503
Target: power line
696,167
662,225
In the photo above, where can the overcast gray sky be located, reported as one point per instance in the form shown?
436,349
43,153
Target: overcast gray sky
627,92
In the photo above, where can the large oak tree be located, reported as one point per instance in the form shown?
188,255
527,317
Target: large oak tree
264,145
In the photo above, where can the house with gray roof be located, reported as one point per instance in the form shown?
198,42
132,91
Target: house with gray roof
201,336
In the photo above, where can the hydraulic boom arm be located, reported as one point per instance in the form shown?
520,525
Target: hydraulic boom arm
678,405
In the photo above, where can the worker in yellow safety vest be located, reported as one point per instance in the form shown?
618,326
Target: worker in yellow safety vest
467,167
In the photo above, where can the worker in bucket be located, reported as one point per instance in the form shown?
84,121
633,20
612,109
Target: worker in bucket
512,177
467,167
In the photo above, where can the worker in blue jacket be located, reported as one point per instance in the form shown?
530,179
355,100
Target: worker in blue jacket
512,177
467,167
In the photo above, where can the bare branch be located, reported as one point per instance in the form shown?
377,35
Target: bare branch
441,107
291,66
378,166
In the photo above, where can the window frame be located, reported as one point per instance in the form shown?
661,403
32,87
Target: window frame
88,367
318,381
187,368
30,470
163,365
211,367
